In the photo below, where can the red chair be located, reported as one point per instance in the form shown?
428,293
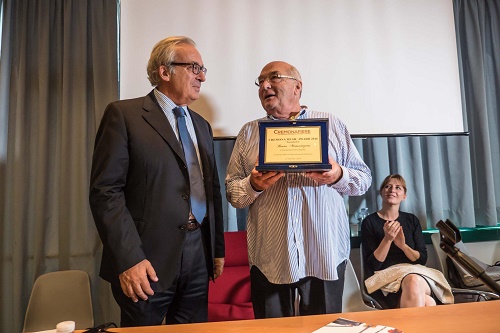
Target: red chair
229,296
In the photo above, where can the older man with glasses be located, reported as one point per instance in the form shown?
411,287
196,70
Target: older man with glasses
297,226
155,195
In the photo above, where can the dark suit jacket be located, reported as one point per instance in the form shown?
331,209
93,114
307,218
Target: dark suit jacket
139,190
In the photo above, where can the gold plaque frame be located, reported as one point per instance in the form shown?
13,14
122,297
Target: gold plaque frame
293,145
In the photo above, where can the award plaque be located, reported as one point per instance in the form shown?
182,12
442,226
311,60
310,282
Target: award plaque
293,145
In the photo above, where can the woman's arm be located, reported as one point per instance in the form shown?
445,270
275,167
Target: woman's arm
400,242
415,249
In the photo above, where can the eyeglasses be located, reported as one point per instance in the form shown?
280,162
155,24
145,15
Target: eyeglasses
196,68
272,78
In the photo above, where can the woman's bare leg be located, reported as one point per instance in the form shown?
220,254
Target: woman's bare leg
415,292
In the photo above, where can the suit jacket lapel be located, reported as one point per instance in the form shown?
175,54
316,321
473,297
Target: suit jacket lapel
157,119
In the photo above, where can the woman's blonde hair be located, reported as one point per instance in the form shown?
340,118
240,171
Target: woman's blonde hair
396,176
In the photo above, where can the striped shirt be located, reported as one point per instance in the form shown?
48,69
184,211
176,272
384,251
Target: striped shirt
297,228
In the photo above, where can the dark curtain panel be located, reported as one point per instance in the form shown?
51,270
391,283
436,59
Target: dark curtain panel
436,170
478,36
58,71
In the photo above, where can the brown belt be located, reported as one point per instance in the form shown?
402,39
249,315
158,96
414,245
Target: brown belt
190,226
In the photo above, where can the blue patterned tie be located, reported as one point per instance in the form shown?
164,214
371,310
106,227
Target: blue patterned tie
197,197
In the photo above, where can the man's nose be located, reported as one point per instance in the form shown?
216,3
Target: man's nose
202,76
265,84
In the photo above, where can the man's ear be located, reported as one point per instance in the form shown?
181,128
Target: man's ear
298,88
164,74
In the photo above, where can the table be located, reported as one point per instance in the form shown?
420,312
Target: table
454,318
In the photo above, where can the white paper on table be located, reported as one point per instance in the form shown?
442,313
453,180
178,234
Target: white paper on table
342,325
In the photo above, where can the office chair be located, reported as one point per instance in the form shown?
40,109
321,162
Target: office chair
59,296
368,299
461,278
229,297
441,256
462,295
352,300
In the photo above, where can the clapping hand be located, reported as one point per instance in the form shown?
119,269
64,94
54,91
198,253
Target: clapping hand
391,230
400,240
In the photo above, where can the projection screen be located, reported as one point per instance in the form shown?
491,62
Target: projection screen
385,67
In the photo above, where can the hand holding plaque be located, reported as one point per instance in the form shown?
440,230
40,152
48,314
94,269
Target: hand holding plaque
293,145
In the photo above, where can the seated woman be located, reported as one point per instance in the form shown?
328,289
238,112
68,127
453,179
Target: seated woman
390,237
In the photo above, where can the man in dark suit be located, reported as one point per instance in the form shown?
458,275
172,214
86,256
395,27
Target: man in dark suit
157,254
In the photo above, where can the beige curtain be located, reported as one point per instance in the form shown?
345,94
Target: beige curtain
58,70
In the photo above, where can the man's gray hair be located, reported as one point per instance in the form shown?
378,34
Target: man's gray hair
164,53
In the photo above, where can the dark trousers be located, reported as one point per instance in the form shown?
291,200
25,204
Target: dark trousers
185,301
278,300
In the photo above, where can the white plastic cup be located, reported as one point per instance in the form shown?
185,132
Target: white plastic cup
65,327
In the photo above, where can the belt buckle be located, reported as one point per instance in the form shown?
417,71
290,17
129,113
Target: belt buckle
190,226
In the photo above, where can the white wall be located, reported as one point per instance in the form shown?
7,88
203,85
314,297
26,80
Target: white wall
382,66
